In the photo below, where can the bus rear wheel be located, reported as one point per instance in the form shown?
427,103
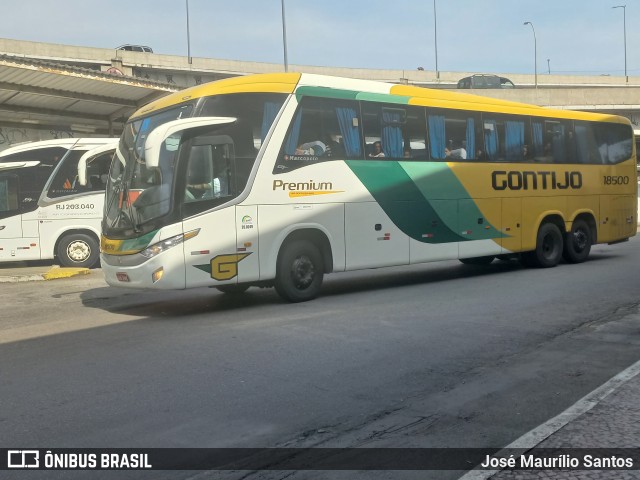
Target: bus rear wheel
299,271
577,243
78,250
549,246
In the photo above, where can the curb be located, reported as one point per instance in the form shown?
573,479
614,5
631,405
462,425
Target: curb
21,278
53,274
59,272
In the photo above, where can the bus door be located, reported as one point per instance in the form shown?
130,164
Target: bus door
225,249
19,238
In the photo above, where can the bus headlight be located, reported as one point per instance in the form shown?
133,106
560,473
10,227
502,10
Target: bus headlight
157,248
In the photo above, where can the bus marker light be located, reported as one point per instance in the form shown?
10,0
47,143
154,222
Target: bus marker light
122,277
241,249
201,252
157,275
33,244
247,244
427,235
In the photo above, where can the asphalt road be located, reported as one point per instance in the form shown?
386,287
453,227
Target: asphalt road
439,355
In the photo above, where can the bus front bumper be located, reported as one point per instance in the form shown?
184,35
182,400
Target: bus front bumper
162,272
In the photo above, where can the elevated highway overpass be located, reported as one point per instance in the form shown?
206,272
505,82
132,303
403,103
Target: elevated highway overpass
49,90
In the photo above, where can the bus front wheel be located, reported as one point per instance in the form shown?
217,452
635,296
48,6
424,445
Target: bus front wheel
78,250
299,271
549,246
577,243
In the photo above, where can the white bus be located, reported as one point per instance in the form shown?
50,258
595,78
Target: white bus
44,212
279,179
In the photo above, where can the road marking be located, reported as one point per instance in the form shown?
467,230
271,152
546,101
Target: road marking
532,438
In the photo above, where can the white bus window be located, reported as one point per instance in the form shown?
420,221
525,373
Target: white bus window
65,182
98,171
210,173
8,194
322,129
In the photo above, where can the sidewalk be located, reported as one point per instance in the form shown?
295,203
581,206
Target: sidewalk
608,417
35,271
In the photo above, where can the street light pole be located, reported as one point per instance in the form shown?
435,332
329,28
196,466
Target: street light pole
624,19
188,35
435,36
535,53
548,66
284,38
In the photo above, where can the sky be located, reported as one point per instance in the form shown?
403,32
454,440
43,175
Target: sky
576,36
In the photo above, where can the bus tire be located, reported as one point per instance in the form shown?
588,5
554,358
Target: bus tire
78,250
299,271
233,289
577,243
478,260
549,246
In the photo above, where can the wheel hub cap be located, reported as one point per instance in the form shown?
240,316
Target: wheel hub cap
78,251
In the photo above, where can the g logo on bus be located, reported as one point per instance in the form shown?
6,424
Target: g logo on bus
224,267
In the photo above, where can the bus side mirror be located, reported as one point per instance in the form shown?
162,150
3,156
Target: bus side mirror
84,159
169,135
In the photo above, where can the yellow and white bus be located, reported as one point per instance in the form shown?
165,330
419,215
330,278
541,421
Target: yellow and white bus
44,211
279,179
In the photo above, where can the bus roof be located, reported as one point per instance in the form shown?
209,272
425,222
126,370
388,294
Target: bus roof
339,87
67,143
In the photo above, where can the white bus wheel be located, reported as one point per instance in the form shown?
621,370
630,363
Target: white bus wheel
78,250
299,271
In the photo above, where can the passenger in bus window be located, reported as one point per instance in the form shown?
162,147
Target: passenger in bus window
377,150
547,156
406,153
459,153
315,148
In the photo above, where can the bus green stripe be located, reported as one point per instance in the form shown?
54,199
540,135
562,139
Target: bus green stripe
326,92
436,181
139,243
382,97
400,198
421,200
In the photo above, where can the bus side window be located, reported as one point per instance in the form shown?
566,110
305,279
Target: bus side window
322,129
65,181
8,194
98,171
394,131
615,143
454,135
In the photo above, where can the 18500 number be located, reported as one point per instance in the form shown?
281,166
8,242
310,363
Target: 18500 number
76,206
616,180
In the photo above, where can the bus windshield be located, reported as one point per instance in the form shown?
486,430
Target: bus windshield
129,176
138,196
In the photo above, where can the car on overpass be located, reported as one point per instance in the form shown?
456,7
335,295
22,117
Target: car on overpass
135,48
485,81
